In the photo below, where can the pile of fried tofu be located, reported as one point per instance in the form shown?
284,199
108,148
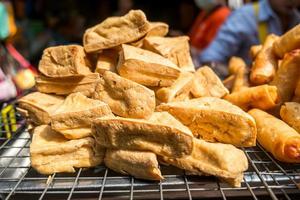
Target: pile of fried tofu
130,98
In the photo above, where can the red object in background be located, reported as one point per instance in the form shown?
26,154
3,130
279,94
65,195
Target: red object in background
206,27
21,60
23,73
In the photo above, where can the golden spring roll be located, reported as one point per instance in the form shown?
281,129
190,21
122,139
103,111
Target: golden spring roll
287,75
235,64
265,63
240,81
290,113
277,137
254,50
263,97
287,42
238,67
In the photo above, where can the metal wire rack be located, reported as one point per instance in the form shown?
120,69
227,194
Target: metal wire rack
265,179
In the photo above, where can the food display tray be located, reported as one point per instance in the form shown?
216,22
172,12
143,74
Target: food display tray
266,178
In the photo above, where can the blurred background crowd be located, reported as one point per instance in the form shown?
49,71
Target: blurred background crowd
218,29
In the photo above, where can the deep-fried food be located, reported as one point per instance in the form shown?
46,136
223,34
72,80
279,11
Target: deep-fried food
161,134
50,152
176,49
38,107
263,97
214,120
146,67
125,97
67,85
265,63
287,42
221,160
68,60
290,113
140,164
178,91
77,112
277,137
207,84
115,31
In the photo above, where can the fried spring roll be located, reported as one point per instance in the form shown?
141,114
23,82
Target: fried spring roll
287,42
238,67
265,63
277,137
235,64
290,113
263,97
287,75
254,50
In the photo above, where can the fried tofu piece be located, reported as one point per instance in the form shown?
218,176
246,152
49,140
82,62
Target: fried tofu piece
221,160
162,134
50,152
107,61
67,85
140,164
38,107
125,97
156,29
64,60
214,120
208,84
77,112
176,49
290,113
115,31
146,68
178,91
76,133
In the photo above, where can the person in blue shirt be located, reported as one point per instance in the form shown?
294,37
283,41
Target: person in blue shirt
249,26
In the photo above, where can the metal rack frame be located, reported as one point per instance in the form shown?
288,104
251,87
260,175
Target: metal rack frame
266,178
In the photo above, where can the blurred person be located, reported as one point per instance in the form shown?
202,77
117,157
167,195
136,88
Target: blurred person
213,14
249,26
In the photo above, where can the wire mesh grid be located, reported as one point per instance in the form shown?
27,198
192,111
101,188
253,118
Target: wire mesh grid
266,178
